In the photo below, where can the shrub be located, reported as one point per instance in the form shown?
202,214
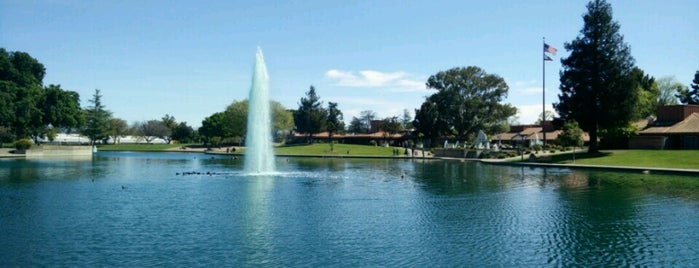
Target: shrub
372,142
23,144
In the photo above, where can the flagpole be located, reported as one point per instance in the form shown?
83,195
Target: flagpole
543,92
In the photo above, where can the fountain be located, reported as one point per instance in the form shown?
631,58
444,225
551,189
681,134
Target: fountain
259,157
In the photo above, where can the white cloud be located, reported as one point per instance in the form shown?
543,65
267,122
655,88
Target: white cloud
531,87
393,81
528,114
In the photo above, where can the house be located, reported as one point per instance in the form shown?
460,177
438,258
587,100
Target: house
528,135
676,127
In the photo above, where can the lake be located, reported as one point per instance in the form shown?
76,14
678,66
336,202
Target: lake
190,209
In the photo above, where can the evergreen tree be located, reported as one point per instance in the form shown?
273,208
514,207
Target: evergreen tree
687,96
97,119
334,122
310,117
596,88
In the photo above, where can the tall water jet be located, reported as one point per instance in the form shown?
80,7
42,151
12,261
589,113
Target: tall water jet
259,157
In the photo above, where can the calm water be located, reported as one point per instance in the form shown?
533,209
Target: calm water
132,209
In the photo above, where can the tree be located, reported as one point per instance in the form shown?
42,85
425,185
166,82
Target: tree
647,96
469,99
236,120
152,129
212,128
687,96
571,135
117,128
282,120
20,94
334,122
356,126
60,109
183,133
97,119
596,88
310,116
549,116
669,91
232,123
428,122
406,121
169,121
366,117
390,126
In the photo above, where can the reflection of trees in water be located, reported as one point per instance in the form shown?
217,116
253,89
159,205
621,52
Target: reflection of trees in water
448,177
50,168
389,167
601,225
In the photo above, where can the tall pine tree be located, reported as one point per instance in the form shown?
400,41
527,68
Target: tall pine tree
688,96
310,118
597,90
97,119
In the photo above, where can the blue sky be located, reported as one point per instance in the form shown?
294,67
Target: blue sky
191,59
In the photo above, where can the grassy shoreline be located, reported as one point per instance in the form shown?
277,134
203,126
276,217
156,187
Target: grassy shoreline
679,159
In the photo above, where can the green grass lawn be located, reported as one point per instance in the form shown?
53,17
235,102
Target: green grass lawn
138,147
339,149
686,159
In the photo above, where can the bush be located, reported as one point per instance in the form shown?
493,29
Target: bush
372,142
23,144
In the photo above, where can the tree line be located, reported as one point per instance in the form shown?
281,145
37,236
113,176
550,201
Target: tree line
30,110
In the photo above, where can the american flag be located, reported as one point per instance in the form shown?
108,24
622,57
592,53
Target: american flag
550,49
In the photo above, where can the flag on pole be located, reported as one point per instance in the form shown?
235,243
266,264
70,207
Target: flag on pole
547,58
550,49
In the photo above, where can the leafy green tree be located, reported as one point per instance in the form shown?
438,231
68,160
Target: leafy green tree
61,108
571,135
549,117
26,108
212,128
669,91
20,94
282,119
469,99
183,133
687,96
97,119
232,123
152,129
21,68
390,126
647,95
310,117
5,135
334,122
171,123
356,126
117,128
236,119
428,122
597,90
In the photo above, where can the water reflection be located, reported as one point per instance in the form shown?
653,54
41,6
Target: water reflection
339,212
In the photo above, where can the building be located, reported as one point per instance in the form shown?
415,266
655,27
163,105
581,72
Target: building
676,127
528,135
